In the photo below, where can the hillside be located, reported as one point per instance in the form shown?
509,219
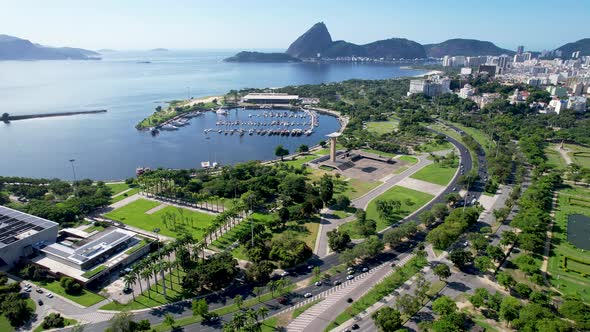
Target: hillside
13,48
582,45
466,47
315,40
261,57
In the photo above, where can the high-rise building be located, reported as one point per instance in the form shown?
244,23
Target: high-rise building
520,49
577,104
575,54
577,89
503,61
434,86
447,61
527,56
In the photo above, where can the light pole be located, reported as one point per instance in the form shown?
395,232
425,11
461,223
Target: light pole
74,173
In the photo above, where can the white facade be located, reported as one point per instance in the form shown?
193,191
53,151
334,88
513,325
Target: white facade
466,91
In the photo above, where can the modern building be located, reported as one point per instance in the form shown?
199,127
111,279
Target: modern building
503,61
21,234
557,91
475,61
90,258
557,105
466,71
520,49
466,91
270,98
488,69
431,87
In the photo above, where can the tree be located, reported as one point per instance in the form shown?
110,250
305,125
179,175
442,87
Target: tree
427,218
505,280
495,253
326,188
337,240
483,263
238,301
343,202
442,271
509,308
284,215
508,238
280,151
444,305
53,320
303,148
120,322
408,304
169,320
387,319
200,307
461,258
523,290
479,298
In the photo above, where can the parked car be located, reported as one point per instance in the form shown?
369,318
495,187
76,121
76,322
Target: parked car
28,290
39,302
365,269
49,295
337,282
284,274
318,283
39,290
355,326
350,277
307,295
282,300
350,272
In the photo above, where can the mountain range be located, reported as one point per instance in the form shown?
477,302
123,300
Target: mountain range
13,48
317,42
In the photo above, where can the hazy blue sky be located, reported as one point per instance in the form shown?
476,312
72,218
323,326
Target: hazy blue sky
137,24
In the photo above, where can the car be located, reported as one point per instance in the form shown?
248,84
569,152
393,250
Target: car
27,285
347,330
350,272
127,290
284,274
318,283
350,277
307,295
49,295
310,267
365,269
39,290
454,188
28,290
39,302
355,326
337,282
282,300
350,268
392,265
349,300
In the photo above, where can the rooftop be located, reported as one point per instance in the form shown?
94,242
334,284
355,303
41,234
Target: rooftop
16,225
91,249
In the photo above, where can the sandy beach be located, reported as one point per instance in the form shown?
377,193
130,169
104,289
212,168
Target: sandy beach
432,72
204,100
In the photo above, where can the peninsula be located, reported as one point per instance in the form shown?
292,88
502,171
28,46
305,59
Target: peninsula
13,48
262,57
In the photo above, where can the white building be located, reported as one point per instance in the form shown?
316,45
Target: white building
466,91
431,87
557,105
466,71
577,104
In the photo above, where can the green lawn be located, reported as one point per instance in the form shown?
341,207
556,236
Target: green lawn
232,235
458,137
117,187
94,228
67,322
432,146
380,290
435,173
133,214
86,298
554,159
568,282
131,192
270,324
382,127
401,194
410,159
5,324
482,138
580,154
154,297
350,228
352,188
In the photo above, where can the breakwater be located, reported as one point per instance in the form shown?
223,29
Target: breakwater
7,117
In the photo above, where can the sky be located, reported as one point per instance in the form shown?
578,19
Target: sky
262,25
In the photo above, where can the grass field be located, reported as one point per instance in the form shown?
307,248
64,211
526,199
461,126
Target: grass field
382,127
300,160
381,153
401,194
432,146
580,154
568,282
353,188
121,197
410,159
117,187
554,159
478,135
232,235
458,137
435,173
133,214
86,298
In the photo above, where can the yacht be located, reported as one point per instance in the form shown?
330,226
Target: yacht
221,111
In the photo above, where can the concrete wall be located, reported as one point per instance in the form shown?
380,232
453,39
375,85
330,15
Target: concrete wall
13,252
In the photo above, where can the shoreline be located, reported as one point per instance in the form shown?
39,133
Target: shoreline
429,73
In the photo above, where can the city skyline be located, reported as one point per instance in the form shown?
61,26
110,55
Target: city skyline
265,25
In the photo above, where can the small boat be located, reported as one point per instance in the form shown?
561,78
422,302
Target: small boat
221,111
168,127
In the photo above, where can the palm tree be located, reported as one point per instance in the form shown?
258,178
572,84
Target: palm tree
138,276
154,270
146,274
263,312
130,279
272,286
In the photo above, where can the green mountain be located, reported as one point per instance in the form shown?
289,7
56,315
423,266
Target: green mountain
261,57
314,41
466,47
13,48
582,45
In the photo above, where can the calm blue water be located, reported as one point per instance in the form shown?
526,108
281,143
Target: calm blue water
107,146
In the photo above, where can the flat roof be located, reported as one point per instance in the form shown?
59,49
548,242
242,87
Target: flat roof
91,249
275,96
16,225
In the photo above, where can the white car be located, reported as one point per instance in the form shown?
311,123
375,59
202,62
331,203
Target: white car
350,268
284,274
318,283
49,295
307,295
365,269
350,277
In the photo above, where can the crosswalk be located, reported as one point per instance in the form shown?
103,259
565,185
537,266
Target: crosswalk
335,294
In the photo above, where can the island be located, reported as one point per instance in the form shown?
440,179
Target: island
246,56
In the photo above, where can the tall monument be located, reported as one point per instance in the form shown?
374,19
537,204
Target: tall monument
333,136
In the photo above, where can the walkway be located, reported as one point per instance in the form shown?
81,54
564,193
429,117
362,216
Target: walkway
564,154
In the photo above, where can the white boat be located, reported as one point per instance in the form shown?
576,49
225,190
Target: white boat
221,111
168,127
